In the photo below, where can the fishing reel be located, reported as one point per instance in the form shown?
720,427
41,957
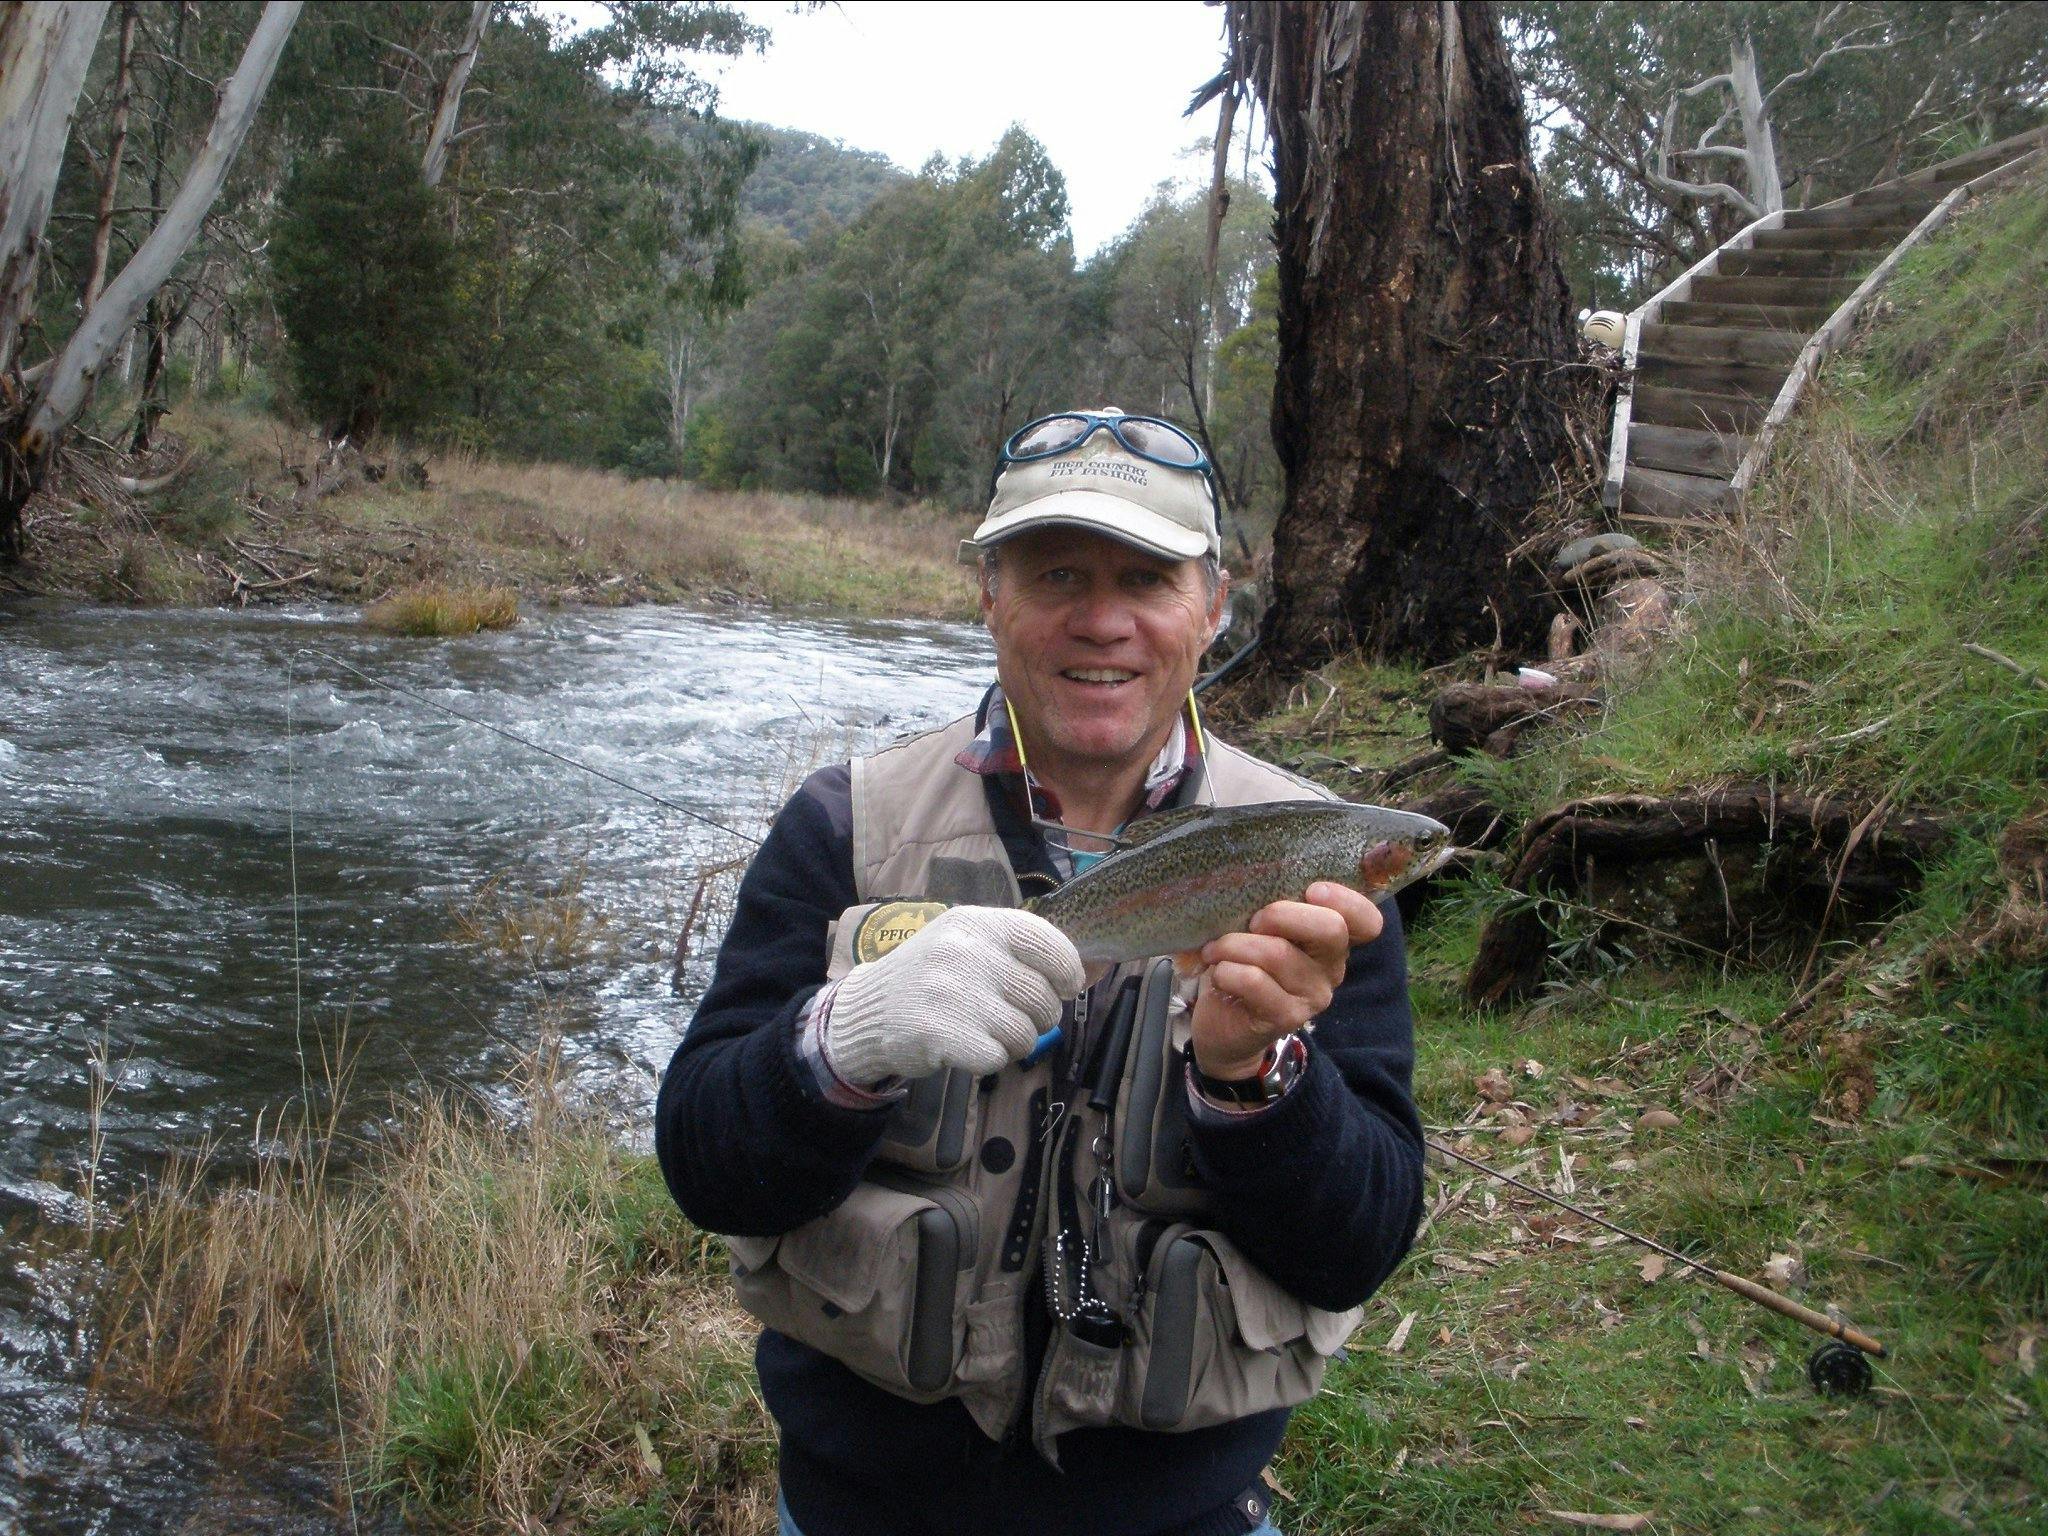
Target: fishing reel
1838,1370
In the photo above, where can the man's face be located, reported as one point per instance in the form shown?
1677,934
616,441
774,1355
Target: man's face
1096,644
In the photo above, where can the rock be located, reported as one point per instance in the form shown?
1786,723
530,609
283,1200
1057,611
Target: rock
1632,619
1579,551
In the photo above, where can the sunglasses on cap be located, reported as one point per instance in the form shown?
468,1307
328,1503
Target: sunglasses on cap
1146,437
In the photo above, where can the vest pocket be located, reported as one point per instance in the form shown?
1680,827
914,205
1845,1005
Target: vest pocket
1155,1169
936,1128
1215,1338
874,1284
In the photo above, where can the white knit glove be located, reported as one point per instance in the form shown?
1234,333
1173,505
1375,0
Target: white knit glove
974,988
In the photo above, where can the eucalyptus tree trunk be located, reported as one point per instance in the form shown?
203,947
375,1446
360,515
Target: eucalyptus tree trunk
117,146
45,50
441,136
1422,315
32,433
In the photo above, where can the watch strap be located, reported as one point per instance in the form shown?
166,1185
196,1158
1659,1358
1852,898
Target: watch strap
1277,1073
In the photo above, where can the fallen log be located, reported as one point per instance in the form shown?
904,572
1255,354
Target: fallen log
1477,827
1466,717
1730,871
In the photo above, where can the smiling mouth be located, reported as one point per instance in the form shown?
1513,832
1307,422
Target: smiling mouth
1098,677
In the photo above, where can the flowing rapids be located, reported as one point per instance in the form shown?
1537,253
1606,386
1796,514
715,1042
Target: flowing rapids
145,902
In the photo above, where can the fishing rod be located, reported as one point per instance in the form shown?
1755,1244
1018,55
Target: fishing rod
529,744
1836,1376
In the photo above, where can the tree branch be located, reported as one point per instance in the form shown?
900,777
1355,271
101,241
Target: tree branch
1836,51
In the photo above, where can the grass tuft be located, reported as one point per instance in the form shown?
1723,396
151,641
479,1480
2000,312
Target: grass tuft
490,1320
433,610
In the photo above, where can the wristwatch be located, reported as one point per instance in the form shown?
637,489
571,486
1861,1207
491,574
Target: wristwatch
1277,1073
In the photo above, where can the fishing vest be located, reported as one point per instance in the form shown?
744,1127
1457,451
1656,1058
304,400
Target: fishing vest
985,1187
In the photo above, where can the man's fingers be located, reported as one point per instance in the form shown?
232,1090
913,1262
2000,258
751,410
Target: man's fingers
1031,995
1047,951
1255,990
1360,912
1296,971
1321,930
1015,1032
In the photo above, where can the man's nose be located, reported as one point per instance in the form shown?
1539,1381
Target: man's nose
1103,615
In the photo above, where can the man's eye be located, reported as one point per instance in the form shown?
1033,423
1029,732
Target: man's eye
1145,577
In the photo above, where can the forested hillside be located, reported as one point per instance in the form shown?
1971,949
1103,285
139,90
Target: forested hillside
804,184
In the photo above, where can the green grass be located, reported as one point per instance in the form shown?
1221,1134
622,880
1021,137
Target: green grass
1555,1378
1901,519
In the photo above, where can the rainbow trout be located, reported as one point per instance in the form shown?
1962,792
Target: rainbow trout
1186,877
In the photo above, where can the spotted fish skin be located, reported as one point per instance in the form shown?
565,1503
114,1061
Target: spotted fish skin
1199,874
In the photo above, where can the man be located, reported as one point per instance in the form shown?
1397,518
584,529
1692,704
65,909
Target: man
1039,1255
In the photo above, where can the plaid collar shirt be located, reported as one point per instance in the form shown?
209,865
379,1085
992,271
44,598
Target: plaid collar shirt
994,752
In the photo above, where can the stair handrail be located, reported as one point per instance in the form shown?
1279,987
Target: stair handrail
1835,329
1674,292
1927,175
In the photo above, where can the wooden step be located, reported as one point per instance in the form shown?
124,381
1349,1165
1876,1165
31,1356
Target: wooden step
1658,493
1757,380
1793,263
1849,216
1827,291
1701,411
1841,237
1713,343
1684,450
1800,320
1900,200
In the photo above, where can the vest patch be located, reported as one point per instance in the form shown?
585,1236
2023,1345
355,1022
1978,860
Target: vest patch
889,925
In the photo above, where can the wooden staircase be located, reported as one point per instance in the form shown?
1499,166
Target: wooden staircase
1718,358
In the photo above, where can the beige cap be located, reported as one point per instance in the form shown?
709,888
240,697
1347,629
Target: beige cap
1104,489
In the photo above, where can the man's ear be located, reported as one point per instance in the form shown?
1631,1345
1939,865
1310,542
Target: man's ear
1221,604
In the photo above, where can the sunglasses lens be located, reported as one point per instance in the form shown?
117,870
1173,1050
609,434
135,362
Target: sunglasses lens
1055,434
1166,444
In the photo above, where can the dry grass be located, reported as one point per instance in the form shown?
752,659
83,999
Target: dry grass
864,557
488,1320
259,503
430,609
550,930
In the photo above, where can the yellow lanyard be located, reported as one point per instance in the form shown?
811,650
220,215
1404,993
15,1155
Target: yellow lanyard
1024,765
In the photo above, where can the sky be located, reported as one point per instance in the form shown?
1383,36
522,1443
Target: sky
1101,85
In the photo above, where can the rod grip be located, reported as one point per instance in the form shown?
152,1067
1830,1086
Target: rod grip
1785,1306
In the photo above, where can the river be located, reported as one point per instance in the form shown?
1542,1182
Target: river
219,849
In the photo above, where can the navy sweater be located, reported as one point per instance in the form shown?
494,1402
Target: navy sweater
1323,1191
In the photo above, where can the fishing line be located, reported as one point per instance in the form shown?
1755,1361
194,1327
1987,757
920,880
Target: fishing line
291,693
527,742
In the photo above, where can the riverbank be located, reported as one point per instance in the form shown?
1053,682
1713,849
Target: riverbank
262,513
1872,1143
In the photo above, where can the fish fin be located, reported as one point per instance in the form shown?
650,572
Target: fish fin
1094,970
1145,828
1187,963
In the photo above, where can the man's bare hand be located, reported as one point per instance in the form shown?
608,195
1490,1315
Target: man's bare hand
1267,982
